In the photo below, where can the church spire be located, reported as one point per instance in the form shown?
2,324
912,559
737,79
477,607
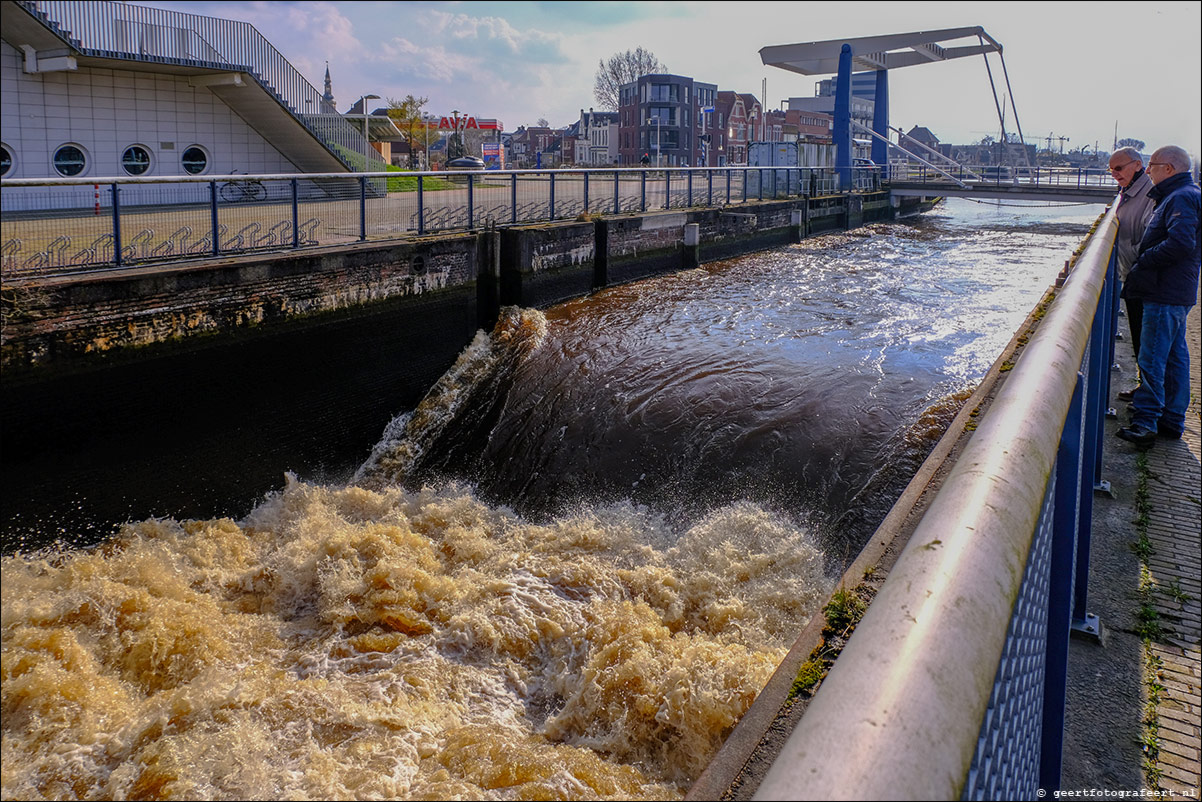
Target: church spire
328,95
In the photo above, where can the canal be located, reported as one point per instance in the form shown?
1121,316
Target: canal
565,575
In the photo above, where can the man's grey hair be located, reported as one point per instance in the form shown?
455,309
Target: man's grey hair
1130,153
1174,156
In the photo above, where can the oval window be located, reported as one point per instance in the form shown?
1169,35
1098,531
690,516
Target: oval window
6,160
194,160
70,160
135,160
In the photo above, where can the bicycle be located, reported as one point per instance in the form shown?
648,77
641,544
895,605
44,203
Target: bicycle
249,189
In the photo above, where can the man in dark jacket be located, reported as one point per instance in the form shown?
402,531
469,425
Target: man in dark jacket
1165,278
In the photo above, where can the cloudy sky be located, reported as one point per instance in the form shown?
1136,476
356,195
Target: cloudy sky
1077,70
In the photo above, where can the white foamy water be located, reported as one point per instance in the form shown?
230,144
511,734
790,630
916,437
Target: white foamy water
351,643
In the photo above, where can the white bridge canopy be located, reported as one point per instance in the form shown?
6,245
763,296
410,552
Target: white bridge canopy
878,52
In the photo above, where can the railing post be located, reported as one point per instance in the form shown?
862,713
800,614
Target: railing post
643,190
1106,311
667,189
1115,294
689,188
471,198
1065,531
116,190
1097,382
362,208
586,193
421,206
513,198
617,193
728,187
709,187
551,205
295,214
213,217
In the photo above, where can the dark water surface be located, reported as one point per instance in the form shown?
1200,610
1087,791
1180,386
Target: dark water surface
565,575
811,379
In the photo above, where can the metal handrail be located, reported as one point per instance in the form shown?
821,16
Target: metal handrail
1078,177
487,174
902,710
338,208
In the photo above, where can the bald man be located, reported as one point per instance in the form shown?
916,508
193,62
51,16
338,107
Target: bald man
1165,278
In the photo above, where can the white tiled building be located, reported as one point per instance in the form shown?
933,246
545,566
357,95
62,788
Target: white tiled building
112,90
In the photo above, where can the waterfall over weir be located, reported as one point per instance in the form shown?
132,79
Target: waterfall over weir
565,574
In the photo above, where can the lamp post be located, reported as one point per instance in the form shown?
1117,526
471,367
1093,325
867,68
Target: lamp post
366,142
426,118
657,133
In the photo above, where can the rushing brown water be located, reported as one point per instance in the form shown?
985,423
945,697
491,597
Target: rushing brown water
565,575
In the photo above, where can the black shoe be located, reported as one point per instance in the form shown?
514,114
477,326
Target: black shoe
1168,434
1144,438
1126,395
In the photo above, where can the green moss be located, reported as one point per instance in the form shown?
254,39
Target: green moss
843,611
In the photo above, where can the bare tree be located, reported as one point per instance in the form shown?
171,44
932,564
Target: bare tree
622,68
1138,144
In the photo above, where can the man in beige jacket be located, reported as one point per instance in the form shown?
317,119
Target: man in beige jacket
1135,207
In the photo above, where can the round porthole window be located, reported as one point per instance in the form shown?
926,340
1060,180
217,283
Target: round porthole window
135,160
195,161
6,160
70,160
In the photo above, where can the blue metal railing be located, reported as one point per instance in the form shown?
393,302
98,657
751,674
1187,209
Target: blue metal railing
69,224
1004,175
953,684
118,30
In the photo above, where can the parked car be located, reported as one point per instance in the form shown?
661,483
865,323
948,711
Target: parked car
466,163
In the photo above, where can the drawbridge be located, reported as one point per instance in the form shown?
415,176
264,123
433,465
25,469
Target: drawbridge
914,168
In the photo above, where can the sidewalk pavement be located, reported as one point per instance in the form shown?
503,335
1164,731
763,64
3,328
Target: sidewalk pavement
1115,686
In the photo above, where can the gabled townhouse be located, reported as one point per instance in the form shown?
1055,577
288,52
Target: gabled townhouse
595,138
533,146
738,117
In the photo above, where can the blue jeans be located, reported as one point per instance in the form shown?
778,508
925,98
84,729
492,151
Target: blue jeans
1162,397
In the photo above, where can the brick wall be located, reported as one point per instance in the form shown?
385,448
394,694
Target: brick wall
77,318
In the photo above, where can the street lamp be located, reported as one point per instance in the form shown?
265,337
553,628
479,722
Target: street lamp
426,120
657,134
366,141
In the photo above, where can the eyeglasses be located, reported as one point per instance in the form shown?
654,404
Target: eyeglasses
1158,164
1122,167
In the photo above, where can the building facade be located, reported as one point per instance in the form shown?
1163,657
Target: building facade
660,120
114,90
738,122
595,138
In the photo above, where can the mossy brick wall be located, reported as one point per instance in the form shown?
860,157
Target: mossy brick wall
546,264
81,319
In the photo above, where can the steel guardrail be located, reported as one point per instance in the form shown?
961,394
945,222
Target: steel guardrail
952,685
61,225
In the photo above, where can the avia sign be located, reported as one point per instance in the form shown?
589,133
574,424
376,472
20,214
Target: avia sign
464,123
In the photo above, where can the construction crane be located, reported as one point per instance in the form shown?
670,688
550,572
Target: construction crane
1062,139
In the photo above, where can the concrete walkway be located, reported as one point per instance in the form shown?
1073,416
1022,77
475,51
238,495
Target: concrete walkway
1133,714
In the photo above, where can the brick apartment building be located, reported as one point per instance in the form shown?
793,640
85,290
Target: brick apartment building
660,117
